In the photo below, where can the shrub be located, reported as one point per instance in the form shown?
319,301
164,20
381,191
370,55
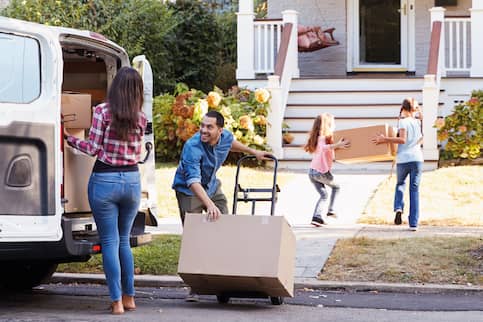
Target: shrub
462,131
178,116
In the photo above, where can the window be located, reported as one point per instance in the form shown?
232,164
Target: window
20,66
445,3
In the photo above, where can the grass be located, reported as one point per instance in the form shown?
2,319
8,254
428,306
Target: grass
455,260
448,197
160,257
249,177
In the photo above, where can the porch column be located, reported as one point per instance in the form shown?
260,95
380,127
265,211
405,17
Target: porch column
245,40
437,14
292,54
430,110
275,117
476,36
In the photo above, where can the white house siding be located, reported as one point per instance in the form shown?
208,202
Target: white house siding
422,35
329,61
3,3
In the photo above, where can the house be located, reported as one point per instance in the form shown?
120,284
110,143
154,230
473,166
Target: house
388,50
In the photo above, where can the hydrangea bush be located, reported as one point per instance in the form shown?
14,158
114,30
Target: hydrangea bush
461,133
177,117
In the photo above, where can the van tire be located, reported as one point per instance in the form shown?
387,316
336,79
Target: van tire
25,275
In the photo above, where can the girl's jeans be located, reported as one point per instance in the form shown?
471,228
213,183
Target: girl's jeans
114,198
319,180
414,170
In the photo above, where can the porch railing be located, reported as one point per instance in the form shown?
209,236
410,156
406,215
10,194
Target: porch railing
267,35
457,43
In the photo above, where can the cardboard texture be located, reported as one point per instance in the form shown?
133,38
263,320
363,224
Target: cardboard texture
238,254
77,170
78,133
76,110
98,96
362,149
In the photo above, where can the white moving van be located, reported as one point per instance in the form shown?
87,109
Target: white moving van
45,218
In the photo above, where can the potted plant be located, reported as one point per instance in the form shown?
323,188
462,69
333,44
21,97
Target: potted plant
287,137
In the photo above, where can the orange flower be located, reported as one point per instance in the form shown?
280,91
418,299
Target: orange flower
246,122
462,128
213,99
439,123
260,120
262,95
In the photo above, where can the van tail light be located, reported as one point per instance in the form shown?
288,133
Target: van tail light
96,248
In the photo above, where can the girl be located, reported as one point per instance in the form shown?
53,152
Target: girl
321,145
114,189
409,160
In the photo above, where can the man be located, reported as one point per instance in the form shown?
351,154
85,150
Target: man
195,182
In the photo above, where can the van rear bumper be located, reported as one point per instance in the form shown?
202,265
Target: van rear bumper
71,248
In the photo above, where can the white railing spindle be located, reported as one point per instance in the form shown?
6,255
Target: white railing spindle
267,41
458,45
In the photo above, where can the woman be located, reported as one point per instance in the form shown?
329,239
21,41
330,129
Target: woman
409,160
321,145
114,189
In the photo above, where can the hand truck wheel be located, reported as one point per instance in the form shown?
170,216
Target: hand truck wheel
276,300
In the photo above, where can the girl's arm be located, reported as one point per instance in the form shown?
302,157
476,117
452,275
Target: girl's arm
400,139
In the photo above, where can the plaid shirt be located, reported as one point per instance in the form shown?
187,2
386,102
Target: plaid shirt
103,142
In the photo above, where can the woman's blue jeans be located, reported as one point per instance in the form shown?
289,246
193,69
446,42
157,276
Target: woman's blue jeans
320,180
114,198
414,170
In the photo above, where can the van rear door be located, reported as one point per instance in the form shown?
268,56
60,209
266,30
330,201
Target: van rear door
30,147
141,64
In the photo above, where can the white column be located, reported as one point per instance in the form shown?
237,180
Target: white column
292,54
275,117
430,110
476,37
437,14
245,40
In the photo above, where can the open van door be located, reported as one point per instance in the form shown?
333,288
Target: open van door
148,174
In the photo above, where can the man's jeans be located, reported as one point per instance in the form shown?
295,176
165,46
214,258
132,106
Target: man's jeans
114,198
414,170
320,180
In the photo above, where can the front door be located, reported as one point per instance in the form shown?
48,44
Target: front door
382,35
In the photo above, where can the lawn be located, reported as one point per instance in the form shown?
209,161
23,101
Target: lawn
455,260
448,196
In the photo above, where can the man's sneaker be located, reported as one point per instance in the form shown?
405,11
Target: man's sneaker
332,214
413,228
317,221
397,218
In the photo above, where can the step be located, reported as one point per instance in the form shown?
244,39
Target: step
304,124
348,83
351,97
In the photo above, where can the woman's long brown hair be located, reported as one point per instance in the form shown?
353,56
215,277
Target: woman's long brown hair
125,99
323,125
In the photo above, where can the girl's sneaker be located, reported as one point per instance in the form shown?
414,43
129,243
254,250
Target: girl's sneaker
317,221
413,228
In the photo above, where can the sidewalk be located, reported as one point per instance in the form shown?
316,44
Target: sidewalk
314,245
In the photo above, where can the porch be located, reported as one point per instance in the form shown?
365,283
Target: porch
356,99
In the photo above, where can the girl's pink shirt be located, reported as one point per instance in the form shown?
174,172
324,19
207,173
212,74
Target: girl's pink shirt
322,157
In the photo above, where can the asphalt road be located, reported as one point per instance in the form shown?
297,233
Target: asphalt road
57,302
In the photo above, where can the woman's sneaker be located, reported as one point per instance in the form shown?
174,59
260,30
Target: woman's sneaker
317,221
397,218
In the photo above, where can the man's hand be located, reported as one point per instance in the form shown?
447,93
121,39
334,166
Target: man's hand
262,155
213,213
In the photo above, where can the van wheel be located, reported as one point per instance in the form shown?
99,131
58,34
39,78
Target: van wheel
25,275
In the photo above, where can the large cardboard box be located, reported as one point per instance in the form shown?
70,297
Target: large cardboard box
238,254
362,149
77,110
77,170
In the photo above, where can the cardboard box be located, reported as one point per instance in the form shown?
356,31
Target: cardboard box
98,96
78,133
77,110
362,149
238,254
77,170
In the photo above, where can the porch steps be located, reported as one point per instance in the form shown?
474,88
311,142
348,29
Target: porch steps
354,102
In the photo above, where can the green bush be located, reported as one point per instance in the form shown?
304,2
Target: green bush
195,50
462,131
177,117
